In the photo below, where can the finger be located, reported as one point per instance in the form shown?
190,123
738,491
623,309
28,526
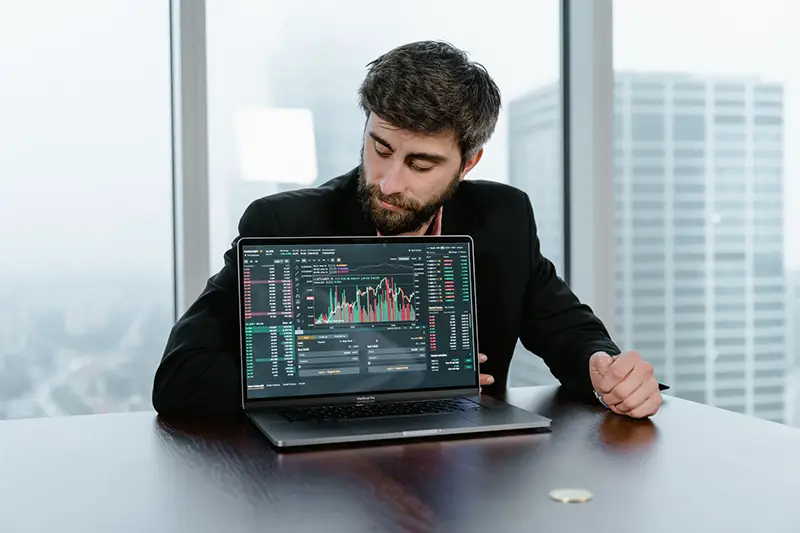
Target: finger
618,371
641,373
601,361
638,397
648,408
598,366
482,358
486,379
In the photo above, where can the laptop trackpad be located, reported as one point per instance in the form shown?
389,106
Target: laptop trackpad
408,424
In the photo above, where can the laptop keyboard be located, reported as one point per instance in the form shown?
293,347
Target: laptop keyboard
379,410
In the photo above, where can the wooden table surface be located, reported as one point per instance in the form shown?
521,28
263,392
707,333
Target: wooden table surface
691,468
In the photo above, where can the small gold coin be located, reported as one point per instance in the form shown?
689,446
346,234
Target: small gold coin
571,495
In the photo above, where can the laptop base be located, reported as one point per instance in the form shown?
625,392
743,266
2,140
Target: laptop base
496,416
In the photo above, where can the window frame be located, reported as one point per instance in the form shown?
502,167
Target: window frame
191,213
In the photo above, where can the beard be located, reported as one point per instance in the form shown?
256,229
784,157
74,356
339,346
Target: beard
413,215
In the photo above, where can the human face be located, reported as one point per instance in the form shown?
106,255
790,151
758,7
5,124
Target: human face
406,176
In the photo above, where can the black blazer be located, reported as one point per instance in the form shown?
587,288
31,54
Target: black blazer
519,295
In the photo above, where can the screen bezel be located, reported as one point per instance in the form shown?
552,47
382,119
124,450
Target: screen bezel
390,395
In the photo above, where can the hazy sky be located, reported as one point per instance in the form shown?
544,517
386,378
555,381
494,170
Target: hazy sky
84,99
85,149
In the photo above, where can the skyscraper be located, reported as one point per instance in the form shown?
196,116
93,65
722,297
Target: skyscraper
793,381
700,285
534,164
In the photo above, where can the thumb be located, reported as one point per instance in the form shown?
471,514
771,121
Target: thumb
598,366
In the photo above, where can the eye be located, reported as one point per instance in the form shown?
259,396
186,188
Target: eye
381,150
417,168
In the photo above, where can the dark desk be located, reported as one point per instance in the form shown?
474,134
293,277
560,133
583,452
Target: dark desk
693,468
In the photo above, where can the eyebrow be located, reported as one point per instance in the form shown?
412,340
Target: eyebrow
432,158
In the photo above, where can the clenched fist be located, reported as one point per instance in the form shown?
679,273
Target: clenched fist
625,383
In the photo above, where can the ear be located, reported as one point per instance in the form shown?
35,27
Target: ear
471,162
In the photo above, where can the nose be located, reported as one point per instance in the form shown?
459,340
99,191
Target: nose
393,181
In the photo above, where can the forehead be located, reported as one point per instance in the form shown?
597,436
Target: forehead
410,140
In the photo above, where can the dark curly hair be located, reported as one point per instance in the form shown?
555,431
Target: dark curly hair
432,87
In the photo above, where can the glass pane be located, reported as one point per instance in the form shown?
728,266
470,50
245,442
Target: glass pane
86,197
730,196
274,55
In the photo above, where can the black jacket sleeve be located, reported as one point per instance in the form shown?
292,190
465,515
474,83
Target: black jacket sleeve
199,371
556,326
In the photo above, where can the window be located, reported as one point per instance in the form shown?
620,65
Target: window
730,188
723,90
647,309
648,188
684,275
273,55
730,324
731,257
689,170
689,239
689,326
769,154
729,205
640,171
688,127
650,258
648,293
729,195
86,197
648,102
761,120
647,223
768,264
775,289
729,105
729,135
768,323
689,153
690,223
725,153
729,120
729,376
647,127
645,153
688,309
684,102
765,187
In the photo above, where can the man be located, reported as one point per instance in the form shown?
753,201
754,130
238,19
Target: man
429,112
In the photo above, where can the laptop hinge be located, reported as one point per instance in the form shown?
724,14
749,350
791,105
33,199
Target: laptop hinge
356,399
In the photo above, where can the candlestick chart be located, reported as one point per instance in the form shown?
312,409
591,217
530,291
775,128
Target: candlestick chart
365,299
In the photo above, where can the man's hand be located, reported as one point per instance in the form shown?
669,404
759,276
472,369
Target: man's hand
626,383
486,379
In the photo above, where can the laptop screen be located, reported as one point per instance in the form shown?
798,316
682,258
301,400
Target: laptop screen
350,317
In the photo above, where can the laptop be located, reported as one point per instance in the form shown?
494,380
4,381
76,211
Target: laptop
356,339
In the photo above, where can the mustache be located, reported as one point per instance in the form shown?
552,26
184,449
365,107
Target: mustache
396,199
